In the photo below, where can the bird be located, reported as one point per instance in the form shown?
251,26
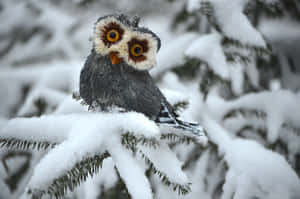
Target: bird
116,73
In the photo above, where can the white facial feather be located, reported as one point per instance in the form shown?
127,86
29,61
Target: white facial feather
99,45
122,45
150,55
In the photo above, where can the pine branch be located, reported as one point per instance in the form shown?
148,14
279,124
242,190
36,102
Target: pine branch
208,10
72,178
191,20
189,69
15,143
130,141
210,79
259,114
14,177
260,51
237,57
246,113
182,189
178,139
261,132
76,96
290,127
279,145
273,9
181,105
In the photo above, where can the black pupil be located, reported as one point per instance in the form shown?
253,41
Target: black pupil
112,35
137,50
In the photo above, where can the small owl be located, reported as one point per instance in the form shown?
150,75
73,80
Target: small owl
116,73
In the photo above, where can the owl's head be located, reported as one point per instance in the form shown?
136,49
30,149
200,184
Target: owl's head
122,39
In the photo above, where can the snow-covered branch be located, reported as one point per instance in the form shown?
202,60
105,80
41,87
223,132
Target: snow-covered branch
251,168
83,140
279,109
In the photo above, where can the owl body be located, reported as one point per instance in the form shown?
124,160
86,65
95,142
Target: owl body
106,85
115,73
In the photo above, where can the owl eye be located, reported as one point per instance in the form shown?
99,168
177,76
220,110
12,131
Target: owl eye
112,35
136,50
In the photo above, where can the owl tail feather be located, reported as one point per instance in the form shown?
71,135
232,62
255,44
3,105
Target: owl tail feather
172,123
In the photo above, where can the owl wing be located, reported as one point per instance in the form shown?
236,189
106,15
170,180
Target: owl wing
141,96
85,88
165,116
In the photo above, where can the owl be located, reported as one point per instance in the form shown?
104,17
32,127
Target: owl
116,73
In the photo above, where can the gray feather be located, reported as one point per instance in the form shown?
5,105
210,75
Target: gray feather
120,85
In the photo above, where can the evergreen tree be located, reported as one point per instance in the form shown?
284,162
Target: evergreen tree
229,69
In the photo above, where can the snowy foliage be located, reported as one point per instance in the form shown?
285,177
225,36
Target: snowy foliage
235,74
251,168
207,48
83,140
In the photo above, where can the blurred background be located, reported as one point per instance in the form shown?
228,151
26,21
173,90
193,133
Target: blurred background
44,31
44,44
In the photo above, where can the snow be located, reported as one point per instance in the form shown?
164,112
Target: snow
77,141
174,97
253,74
54,40
216,134
278,111
63,157
170,80
250,169
208,48
3,121
68,106
81,141
48,81
237,77
45,128
132,174
58,127
263,173
275,85
290,79
102,181
167,162
229,15
270,29
167,58
197,175
51,97
193,5
253,170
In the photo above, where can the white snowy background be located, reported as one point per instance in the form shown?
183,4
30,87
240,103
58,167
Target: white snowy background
44,44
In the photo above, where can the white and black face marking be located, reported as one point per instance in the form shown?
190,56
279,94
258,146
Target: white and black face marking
122,40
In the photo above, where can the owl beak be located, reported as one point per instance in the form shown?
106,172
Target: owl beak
114,58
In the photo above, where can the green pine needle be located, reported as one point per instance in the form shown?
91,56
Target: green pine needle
174,138
181,105
130,141
15,143
72,178
247,113
182,189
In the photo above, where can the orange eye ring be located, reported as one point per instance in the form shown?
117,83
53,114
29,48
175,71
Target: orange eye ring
112,35
136,50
